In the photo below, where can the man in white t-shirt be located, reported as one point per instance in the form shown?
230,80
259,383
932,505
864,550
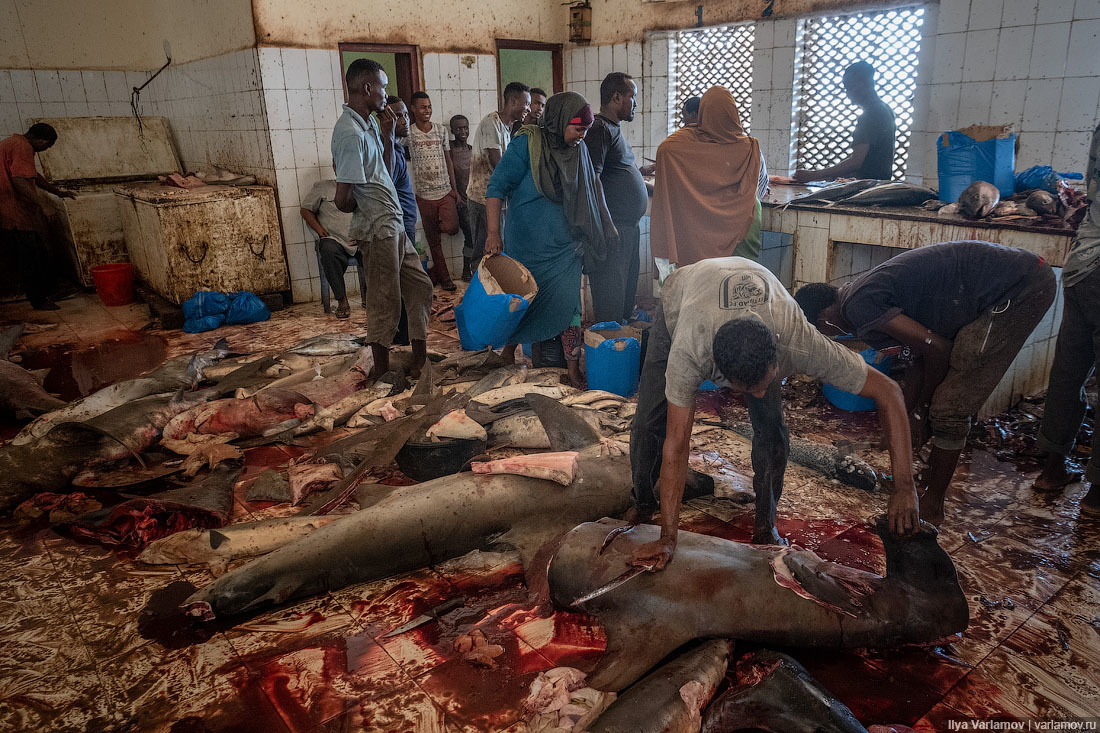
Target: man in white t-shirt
489,144
429,146
731,321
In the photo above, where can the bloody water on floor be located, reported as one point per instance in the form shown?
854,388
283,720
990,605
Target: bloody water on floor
77,370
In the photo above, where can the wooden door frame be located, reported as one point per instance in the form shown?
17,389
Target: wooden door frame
521,45
402,52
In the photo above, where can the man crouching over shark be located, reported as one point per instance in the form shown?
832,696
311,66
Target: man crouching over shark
731,321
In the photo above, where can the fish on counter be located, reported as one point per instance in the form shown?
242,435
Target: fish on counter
834,191
893,193
978,200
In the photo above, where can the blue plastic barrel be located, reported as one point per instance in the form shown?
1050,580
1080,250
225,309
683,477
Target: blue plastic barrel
615,364
853,402
961,160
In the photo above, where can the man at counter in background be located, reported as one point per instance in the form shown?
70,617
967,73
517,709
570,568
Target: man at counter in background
364,158
730,320
22,208
614,282
873,139
964,309
689,113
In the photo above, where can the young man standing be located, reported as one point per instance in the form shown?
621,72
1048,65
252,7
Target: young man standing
21,208
460,161
364,158
614,282
434,183
534,114
730,320
489,145
873,139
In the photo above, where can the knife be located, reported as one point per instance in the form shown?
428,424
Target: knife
430,615
630,574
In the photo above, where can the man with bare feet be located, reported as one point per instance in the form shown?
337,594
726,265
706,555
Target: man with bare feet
363,151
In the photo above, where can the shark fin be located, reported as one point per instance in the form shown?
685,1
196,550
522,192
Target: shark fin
564,427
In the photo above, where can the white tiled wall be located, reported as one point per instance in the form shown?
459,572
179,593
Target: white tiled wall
302,97
1027,63
213,106
459,84
772,92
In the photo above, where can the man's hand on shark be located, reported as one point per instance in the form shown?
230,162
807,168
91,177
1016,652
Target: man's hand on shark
902,511
656,554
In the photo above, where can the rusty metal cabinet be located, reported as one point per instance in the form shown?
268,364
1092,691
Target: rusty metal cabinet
224,238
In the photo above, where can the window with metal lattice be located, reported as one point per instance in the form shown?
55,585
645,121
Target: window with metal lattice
890,40
709,56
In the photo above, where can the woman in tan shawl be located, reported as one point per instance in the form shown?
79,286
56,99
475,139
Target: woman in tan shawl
705,198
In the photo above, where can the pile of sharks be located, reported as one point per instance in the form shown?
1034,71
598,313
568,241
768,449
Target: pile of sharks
672,636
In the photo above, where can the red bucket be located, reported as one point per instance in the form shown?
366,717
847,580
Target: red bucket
114,283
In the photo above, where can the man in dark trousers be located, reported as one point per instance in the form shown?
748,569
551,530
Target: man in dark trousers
461,154
614,282
873,139
964,309
1076,354
731,321
363,152
21,210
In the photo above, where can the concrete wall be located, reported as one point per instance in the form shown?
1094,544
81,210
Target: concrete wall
615,21
119,34
470,26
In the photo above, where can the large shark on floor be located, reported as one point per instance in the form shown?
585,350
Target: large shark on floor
417,526
772,595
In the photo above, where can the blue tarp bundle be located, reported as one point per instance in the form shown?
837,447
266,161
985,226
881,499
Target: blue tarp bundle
207,310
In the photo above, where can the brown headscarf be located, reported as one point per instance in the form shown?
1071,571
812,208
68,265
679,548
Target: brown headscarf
704,199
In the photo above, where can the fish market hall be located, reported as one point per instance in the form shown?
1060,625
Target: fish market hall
610,366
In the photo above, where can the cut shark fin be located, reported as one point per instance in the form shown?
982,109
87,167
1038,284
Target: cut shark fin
564,427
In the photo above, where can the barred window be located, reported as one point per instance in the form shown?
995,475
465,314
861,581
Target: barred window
890,41
709,56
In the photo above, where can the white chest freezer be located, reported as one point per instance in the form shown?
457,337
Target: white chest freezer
224,238
91,156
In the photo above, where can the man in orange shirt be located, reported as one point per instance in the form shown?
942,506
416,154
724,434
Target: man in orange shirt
21,209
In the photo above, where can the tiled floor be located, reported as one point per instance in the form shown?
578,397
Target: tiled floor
87,642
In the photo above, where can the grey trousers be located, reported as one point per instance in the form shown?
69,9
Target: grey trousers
1076,354
770,445
614,282
394,276
982,352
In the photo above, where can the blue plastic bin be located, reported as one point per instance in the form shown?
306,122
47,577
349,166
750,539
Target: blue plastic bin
961,160
613,358
492,317
468,342
853,402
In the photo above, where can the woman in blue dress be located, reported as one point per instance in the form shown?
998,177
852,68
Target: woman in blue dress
557,220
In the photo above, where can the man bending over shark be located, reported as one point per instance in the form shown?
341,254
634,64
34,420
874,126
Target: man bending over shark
730,320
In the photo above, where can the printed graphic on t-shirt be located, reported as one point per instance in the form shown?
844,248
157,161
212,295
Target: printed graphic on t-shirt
741,291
